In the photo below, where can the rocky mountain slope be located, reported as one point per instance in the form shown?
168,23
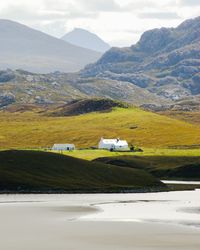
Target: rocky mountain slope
24,48
23,87
86,39
165,61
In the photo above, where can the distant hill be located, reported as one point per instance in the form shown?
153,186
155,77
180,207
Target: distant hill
165,61
86,39
78,107
32,171
24,48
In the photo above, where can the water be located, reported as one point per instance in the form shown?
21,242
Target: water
181,182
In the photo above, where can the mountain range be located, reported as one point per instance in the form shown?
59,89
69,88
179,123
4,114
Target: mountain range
24,48
162,69
86,39
165,61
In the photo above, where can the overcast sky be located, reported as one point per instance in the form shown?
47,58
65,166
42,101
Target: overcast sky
119,22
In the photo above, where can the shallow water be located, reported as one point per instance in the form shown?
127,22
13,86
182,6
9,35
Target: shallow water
159,221
181,182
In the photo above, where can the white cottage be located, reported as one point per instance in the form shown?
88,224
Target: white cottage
63,147
113,144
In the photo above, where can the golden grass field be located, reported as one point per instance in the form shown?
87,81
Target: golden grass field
89,154
141,128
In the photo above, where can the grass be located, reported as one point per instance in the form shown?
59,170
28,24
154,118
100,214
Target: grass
35,171
183,164
89,154
145,129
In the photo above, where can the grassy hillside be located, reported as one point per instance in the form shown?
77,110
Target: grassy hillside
26,171
166,167
142,128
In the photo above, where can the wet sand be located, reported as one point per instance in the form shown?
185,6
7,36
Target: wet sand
70,222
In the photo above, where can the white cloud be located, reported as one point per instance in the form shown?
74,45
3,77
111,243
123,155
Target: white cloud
99,5
159,15
120,22
190,2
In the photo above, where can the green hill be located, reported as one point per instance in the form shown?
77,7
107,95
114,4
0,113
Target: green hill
33,171
163,167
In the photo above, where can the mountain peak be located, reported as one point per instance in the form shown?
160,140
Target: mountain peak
86,39
81,29
32,50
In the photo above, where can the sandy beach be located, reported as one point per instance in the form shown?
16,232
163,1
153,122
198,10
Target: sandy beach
88,222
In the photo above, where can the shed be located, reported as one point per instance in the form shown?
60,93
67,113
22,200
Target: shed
63,147
115,144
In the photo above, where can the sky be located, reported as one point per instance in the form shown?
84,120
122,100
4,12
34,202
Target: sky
118,22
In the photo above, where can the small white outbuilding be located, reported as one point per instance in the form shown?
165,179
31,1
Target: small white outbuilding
63,147
113,144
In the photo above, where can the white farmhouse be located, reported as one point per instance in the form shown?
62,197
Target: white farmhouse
113,144
63,147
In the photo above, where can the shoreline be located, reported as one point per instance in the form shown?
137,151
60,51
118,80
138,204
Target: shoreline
171,186
89,191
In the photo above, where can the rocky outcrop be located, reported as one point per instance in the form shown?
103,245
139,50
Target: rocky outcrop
166,58
6,99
